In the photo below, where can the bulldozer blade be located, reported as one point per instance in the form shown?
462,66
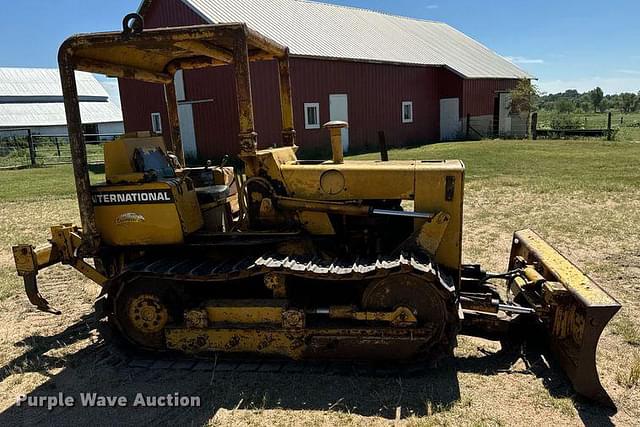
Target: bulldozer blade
576,310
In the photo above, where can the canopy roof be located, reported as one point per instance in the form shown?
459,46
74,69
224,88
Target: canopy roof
155,54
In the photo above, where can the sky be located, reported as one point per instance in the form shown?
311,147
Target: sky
566,44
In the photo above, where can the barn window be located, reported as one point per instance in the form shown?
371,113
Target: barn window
156,123
312,115
407,112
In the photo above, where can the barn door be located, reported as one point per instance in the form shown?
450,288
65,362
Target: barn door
504,114
339,110
449,119
185,115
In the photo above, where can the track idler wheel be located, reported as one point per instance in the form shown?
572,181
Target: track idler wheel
430,302
143,311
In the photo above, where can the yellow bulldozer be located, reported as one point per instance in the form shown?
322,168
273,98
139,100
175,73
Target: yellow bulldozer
328,259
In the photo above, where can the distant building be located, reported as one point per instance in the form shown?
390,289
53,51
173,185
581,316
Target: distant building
31,98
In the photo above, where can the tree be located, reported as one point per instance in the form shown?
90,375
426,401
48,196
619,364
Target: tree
524,98
596,96
584,103
565,106
628,102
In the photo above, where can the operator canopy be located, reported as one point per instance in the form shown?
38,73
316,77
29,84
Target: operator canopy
154,55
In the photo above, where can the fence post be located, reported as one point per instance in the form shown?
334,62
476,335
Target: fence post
609,135
534,126
382,141
32,148
57,146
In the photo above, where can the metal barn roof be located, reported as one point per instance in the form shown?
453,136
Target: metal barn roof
52,114
33,97
25,84
322,30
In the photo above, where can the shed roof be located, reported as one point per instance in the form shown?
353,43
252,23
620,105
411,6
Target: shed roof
25,84
313,29
16,115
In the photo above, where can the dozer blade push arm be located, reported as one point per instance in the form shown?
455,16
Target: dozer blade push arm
573,308
62,248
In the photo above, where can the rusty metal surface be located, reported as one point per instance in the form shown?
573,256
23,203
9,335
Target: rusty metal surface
576,311
152,50
174,122
63,248
286,102
248,136
31,289
309,343
78,149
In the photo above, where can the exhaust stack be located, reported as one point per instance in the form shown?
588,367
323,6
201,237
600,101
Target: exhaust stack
335,130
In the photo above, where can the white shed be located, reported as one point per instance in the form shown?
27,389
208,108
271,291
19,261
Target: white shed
31,98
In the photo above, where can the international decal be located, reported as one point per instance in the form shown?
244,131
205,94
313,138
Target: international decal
132,197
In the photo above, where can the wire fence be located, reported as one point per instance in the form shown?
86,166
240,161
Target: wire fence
509,126
610,125
549,119
22,148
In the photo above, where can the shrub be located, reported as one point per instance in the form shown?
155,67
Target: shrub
565,121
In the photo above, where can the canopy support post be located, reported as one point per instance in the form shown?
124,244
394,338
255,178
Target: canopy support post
248,136
90,235
286,101
175,144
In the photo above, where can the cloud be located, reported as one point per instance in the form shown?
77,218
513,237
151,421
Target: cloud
609,85
432,6
523,60
632,72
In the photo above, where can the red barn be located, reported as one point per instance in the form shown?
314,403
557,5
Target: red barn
416,80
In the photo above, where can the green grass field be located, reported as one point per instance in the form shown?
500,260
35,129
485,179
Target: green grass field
47,182
540,165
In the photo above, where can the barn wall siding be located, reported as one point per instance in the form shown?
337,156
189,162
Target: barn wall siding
170,13
216,121
375,95
479,95
139,100
313,81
